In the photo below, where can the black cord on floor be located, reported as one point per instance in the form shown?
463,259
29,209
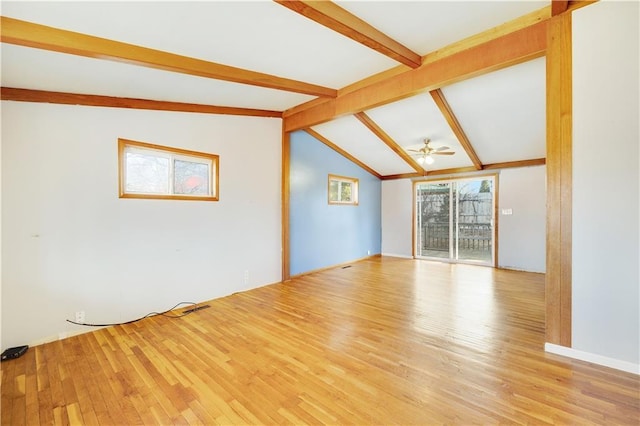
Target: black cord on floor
151,314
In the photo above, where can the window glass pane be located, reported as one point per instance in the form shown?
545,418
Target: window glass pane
433,215
334,187
191,178
146,173
345,192
160,172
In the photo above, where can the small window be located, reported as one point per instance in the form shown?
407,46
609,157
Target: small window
343,190
160,172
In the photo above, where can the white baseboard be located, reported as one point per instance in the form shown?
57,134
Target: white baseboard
404,256
629,367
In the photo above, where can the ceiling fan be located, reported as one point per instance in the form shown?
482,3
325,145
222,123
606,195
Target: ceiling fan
425,153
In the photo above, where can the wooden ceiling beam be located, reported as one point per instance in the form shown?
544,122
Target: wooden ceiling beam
512,164
28,95
342,152
22,33
395,147
344,22
464,44
381,76
403,176
559,6
577,4
510,49
445,109
494,166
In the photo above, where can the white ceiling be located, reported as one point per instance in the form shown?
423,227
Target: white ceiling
502,113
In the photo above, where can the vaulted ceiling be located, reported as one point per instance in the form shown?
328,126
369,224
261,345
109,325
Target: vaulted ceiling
371,79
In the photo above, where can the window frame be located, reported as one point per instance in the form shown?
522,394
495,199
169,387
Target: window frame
354,190
172,154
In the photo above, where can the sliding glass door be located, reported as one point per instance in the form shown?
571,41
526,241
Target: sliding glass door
455,220
433,213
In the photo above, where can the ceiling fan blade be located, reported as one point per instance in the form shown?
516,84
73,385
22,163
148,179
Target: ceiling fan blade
419,151
442,148
443,153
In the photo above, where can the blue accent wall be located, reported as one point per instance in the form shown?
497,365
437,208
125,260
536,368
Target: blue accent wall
321,234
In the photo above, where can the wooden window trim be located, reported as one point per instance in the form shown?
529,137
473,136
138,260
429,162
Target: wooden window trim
354,181
214,177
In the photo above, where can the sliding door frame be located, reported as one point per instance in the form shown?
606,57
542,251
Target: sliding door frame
414,232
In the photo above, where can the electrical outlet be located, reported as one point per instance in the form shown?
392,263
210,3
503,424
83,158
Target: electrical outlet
246,277
80,317
368,252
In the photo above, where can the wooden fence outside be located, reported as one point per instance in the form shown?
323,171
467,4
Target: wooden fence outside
471,236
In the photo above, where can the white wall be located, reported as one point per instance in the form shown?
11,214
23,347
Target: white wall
397,205
70,244
606,279
521,236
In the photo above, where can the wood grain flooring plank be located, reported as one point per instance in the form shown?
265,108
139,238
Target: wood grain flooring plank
18,407
31,382
8,383
386,341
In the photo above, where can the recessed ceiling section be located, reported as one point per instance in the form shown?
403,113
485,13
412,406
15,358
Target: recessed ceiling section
24,67
258,36
352,136
411,120
503,113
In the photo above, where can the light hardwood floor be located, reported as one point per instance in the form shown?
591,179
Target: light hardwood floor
385,341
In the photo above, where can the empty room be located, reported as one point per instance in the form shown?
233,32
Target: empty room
318,212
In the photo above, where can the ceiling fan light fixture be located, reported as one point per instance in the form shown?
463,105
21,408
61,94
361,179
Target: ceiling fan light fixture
424,155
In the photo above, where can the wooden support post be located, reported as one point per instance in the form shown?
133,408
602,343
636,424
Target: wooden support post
286,148
559,181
